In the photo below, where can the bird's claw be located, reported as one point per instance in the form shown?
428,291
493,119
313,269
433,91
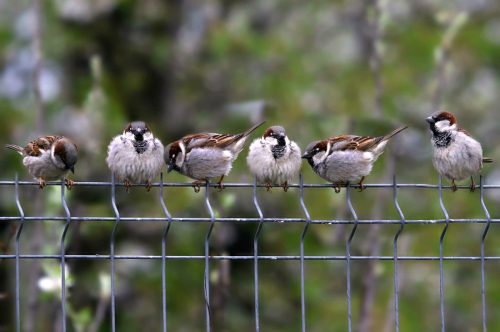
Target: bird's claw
197,185
127,185
220,185
41,183
69,183
148,185
285,186
472,186
453,186
361,185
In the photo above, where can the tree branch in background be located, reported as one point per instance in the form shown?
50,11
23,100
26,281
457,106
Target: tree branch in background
37,69
375,56
37,238
442,54
369,281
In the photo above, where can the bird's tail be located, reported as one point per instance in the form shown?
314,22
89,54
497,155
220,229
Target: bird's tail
16,148
240,139
251,129
393,133
487,160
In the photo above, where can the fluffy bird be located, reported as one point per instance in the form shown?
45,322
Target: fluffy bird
457,156
205,155
135,156
274,159
49,158
346,158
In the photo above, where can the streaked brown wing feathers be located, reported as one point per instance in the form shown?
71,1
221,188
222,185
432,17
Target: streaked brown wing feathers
462,130
353,142
35,147
209,140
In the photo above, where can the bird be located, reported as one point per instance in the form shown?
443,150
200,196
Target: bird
274,159
49,158
203,156
135,156
456,155
346,158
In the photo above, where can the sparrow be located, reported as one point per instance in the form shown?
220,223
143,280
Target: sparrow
456,155
205,155
49,158
135,156
346,158
274,159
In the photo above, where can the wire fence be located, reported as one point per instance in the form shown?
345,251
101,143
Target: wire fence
211,219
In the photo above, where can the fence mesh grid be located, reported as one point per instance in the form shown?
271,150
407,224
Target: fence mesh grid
306,220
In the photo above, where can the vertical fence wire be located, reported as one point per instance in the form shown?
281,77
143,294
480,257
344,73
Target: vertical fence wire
112,251
163,255
63,258
348,255
395,247
441,240
206,282
18,275
302,237
256,254
483,238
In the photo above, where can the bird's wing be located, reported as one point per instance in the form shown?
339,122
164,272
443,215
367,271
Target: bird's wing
353,142
44,143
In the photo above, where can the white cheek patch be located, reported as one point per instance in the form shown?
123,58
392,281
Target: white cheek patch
444,125
148,136
319,157
271,140
179,161
128,135
52,151
327,152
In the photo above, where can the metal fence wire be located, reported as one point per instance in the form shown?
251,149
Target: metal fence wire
261,220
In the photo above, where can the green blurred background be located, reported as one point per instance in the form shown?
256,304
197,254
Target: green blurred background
319,68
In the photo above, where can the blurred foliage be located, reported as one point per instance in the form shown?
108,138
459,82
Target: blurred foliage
218,66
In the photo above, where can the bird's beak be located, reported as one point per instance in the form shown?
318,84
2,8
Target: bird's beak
430,119
306,155
281,139
72,169
138,135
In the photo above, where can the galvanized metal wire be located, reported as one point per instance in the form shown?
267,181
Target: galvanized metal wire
168,220
483,239
256,255
395,248
441,240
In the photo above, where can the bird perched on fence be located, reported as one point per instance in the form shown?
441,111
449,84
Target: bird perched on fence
346,158
135,156
49,158
457,155
274,159
205,155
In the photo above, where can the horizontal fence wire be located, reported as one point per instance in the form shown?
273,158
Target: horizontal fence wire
168,220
